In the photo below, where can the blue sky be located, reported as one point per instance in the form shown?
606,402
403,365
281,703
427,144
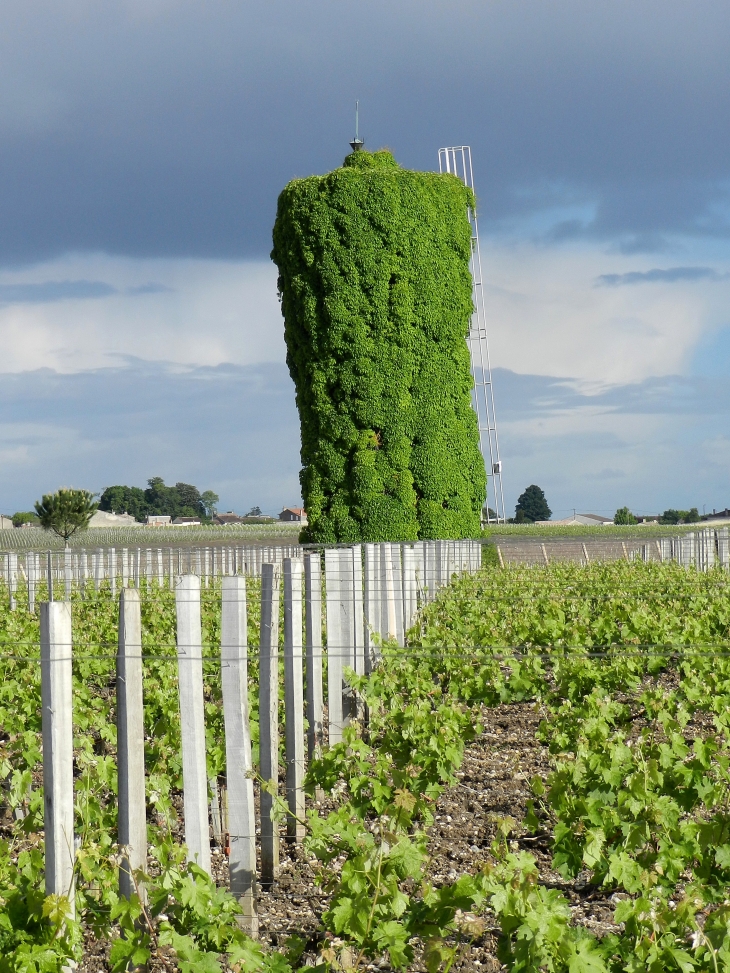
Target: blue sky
142,148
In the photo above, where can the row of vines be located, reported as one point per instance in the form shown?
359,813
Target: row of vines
630,664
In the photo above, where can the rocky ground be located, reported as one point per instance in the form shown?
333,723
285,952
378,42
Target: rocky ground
493,783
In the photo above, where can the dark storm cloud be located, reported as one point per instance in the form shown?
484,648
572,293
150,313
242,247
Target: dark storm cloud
169,128
657,276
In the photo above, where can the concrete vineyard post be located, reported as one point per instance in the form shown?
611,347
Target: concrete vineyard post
67,573
389,617
125,567
419,557
234,684
294,698
215,811
130,741
83,572
56,719
395,553
313,596
370,606
348,645
49,575
12,567
32,564
429,570
335,644
269,719
113,571
410,603
361,640
192,719
98,568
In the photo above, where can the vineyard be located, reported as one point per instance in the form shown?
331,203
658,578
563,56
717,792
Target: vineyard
35,539
538,780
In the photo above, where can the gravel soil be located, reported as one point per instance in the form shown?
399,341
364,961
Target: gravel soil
493,784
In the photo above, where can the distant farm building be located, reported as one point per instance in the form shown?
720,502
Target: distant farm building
158,520
106,518
294,514
227,518
578,520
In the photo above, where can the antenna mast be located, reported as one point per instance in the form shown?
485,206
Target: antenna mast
357,143
457,160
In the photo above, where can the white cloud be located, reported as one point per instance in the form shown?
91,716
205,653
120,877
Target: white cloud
546,316
204,312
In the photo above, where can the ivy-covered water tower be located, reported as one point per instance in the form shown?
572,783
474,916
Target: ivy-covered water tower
377,299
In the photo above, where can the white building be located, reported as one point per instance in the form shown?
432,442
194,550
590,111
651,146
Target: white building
578,520
104,518
158,520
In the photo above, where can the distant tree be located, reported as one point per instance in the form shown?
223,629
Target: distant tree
66,512
124,500
25,517
623,516
672,516
161,499
189,496
254,512
532,505
488,513
208,502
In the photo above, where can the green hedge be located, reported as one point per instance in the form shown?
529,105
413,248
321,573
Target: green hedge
376,294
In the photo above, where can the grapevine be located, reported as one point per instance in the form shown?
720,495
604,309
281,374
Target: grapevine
630,665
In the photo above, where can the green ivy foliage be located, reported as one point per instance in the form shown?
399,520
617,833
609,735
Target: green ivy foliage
376,293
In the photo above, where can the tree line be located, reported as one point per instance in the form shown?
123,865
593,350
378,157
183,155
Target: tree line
181,500
624,516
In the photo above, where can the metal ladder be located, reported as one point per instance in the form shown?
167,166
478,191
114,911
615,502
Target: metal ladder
457,161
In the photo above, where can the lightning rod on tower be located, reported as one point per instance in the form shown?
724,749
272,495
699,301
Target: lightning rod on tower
357,143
